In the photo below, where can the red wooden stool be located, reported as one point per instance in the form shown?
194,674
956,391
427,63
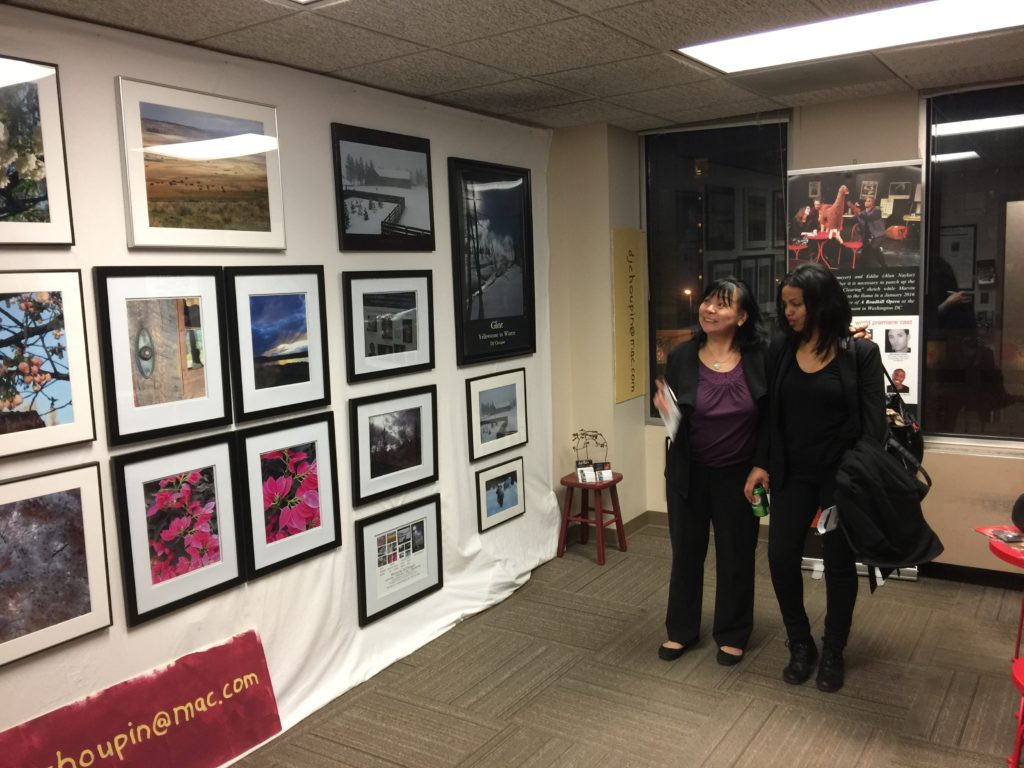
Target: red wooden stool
571,483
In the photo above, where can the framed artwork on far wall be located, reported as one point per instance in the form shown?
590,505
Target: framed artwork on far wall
55,582
288,492
755,219
721,219
398,558
164,347
500,493
492,260
176,525
383,190
201,171
35,205
778,219
45,390
389,323
496,410
393,442
278,339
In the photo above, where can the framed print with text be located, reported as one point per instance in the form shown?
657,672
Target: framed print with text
278,339
164,347
398,557
496,410
45,390
500,493
176,525
201,171
389,323
35,205
492,260
55,587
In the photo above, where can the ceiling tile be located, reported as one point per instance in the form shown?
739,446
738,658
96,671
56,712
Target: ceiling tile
690,96
577,113
437,24
841,8
513,96
716,111
185,20
617,77
644,123
844,93
949,62
424,73
814,75
980,75
554,47
312,42
589,6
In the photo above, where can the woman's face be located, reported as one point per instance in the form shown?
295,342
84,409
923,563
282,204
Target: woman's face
794,308
716,316
897,339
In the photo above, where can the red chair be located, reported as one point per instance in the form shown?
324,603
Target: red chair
1013,761
854,247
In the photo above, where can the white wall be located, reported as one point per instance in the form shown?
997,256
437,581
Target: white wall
306,614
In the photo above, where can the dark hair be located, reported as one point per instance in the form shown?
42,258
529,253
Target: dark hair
729,290
828,311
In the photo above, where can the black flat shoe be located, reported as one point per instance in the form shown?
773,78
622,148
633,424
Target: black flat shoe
727,659
671,654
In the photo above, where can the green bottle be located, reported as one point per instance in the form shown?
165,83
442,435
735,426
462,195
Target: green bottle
760,505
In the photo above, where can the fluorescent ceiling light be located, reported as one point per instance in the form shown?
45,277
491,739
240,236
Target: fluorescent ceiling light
980,125
13,72
873,31
216,149
949,157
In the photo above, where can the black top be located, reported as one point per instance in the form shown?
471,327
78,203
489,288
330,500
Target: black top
813,412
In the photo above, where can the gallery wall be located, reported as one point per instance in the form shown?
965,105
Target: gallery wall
306,614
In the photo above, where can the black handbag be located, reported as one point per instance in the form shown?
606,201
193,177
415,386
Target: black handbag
903,439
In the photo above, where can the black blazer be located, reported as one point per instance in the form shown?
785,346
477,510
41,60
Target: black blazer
865,403
681,375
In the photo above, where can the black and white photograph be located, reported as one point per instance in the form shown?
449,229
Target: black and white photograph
500,494
383,190
496,410
492,260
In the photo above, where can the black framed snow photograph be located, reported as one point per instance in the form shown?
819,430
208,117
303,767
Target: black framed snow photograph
35,204
278,339
45,390
496,411
500,493
55,573
288,492
393,442
398,557
389,323
383,190
176,525
492,260
201,170
164,350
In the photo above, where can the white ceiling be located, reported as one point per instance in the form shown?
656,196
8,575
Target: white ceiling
556,63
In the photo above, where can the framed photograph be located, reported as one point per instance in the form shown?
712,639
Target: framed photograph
492,261
869,188
393,442
164,343
778,219
398,558
755,219
956,248
500,493
288,492
35,205
55,578
383,189
496,406
720,269
721,219
176,525
45,391
201,171
278,339
814,189
389,323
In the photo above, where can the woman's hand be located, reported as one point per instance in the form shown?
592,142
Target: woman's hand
756,477
861,330
661,397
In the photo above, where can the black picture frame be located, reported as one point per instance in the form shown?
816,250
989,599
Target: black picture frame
311,529
130,416
393,442
778,219
507,481
721,218
492,402
360,189
393,309
756,220
406,537
273,294
500,196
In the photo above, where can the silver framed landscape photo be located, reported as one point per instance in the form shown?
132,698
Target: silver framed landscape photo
496,410
500,493
201,171
389,323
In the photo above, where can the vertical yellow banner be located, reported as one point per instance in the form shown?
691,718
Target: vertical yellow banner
629,299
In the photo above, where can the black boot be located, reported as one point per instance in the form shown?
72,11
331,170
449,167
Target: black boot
802,655
831,670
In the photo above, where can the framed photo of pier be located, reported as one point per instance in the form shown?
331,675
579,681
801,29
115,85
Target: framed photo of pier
383,189
496,410
492,260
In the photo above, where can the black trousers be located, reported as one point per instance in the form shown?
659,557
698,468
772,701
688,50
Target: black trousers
715,498
793,507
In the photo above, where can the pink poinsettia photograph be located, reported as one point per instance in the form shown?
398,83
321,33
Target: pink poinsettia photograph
291,491
181,522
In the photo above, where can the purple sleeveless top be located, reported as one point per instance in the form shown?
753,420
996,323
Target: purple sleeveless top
724,420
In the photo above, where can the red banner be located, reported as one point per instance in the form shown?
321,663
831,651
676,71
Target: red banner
201,710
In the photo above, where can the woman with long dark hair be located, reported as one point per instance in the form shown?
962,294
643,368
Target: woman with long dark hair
717,382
